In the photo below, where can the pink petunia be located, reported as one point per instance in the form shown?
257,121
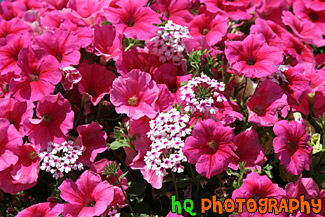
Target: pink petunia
4,83
211,148
304,29
16,112
248,150
135,95
61,44
23,174
106,42
42,209
57,4
51,125
134,19
294,84
213,27
291,147
252,57
88,10
319,101
96,81
256,187
307,187
10,141
151,177
93,139
9,53
176,10
265,104
88,196
39,74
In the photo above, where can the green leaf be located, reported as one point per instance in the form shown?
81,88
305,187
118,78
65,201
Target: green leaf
118,144
122,176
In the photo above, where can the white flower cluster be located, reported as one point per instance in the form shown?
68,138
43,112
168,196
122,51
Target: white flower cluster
59,158
278,77
168,43
166,134
201,93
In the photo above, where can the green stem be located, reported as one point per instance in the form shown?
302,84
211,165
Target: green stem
175,185
127,200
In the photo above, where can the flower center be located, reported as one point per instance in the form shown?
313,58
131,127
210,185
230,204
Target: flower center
250,61
130,22
90,203
133,100
33,77
258,109
47,118
313,16
291,144
32,155
5,87
205,31
213,145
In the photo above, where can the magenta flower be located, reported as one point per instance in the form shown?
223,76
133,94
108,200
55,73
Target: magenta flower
39,74
309,188
16,112
256,187
88,196
42,209
291,147
295,85
23,174
176,10
4,83
252,57
133,19
265,104
61,44
211,147
96,81
135,95
93,139
14,26
51,125
212,27
106,41
248,150
9,52
10,141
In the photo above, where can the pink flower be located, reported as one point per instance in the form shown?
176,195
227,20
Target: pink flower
291,146
265,104
88,196
236,9
176,10
93,139
307,187
96,81
70,76
272,10
248,150
212,27
151,177
296,84
319,101
211,148
42,209
135,95
304,29
9,52
61,44
4,83
256,187
23,174
13,26
133,19
10,141
106,41
252,57
88,10
16,112
39,75
57,4
51,125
